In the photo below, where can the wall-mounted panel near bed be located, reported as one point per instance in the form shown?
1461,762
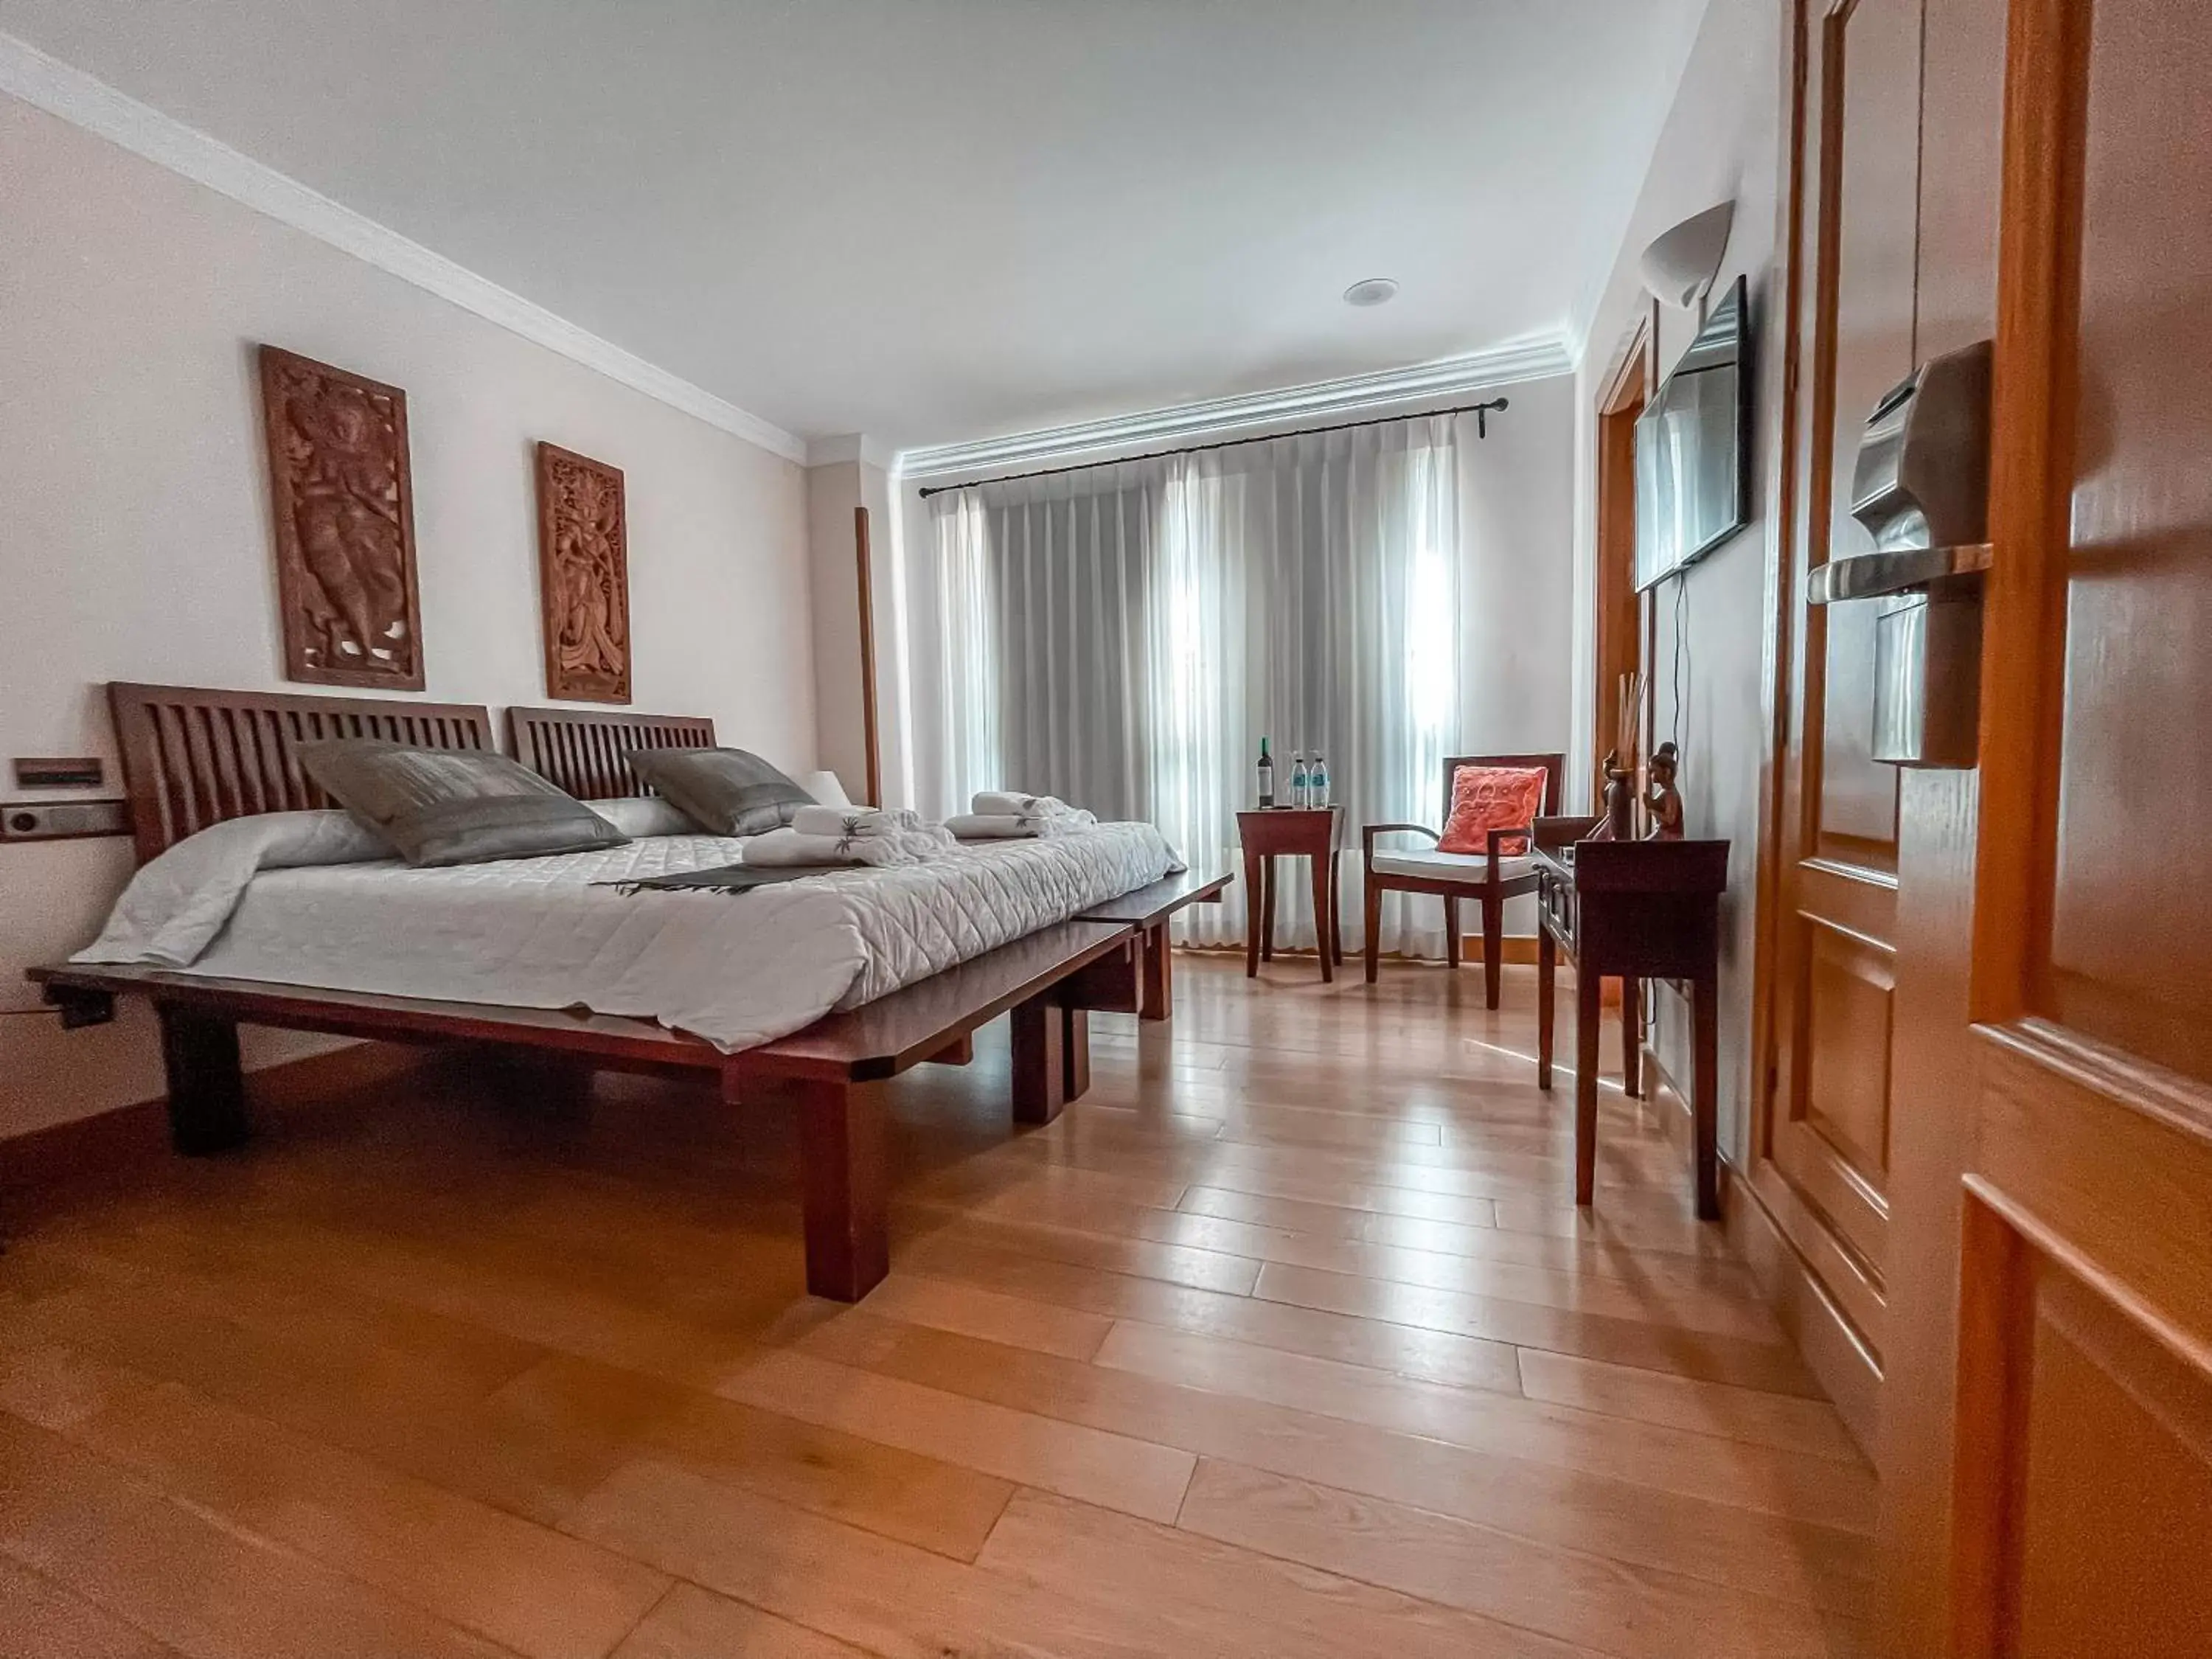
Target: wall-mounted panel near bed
193,757
583,576
344,517
581,749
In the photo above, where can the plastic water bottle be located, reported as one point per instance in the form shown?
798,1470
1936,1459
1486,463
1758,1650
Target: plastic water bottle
1317,782
1299,780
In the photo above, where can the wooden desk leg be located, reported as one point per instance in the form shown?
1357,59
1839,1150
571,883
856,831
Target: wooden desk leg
1589,1015
207,1089
1547,956
1040,1060
1337,912
1255,903
1631,1037
1324,909
1157,995
841,1166
1705,1092
1268,909
1074,1053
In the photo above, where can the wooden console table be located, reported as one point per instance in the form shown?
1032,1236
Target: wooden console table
1272,832
1640,909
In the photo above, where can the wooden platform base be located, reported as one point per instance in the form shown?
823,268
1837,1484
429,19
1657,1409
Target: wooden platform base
1049,982
834,1067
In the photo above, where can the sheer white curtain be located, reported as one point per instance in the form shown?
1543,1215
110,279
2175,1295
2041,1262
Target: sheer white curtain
970,745
1146,624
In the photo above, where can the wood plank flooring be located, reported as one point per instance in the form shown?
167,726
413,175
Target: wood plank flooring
1287,1341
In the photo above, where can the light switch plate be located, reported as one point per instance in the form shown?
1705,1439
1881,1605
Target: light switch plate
60,772
63,820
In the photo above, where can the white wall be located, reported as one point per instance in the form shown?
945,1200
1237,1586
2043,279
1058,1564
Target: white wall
833,494
1516,577
1721,142
834,489
135,532
1516,586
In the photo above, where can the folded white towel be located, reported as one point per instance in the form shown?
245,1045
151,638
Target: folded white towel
792,847
1012,804
854,821
1018,826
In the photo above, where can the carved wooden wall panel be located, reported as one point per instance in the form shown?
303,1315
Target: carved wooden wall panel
345,524
583,567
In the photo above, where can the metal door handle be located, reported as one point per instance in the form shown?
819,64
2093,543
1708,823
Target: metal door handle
1871,575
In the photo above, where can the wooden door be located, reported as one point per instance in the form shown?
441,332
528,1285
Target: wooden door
1620,648
2046,1451
1821,1149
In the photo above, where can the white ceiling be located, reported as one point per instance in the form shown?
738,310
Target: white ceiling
934,221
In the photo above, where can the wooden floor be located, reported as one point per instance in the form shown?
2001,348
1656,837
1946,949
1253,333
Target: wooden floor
1287,1340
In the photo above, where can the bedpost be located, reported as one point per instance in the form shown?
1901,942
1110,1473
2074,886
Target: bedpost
207,1089
1040,1044
844,1204
1158,996
1075,1052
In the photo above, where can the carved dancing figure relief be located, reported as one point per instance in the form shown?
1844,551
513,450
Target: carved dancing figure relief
345,524
584,577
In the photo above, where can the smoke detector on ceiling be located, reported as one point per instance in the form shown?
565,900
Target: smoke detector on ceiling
1373,291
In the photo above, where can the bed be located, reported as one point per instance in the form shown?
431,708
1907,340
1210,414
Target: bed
196,758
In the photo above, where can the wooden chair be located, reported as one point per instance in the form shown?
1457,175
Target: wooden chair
1488,878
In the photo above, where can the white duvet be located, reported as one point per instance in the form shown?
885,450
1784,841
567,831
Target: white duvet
305,898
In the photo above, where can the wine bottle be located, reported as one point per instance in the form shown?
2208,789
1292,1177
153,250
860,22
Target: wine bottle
1266,776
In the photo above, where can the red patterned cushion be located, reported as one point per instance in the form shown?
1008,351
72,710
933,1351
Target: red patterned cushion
1486,797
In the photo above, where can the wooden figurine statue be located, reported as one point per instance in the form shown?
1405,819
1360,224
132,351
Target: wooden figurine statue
1662,800
1620,798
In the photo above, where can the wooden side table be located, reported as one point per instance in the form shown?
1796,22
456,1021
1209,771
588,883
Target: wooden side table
1641,910
1274,832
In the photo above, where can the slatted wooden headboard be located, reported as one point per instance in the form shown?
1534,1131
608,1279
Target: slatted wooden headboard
581,749
193,757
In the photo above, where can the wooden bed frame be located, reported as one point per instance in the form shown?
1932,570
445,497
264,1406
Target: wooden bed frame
582,750
192,758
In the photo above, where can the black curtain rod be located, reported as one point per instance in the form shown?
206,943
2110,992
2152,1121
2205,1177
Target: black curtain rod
1481,412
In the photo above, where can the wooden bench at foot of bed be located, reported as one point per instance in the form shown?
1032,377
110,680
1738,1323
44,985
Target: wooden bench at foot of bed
1149,989
834,1068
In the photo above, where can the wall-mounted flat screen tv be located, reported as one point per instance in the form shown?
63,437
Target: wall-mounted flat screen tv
1694,447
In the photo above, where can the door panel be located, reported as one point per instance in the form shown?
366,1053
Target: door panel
1824,1170
2079,1413
1873,78
2131,937
2109,1568
1933,1060
1849,979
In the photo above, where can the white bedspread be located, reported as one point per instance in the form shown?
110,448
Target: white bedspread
736,968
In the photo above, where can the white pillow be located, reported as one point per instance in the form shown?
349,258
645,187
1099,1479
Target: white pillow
645,815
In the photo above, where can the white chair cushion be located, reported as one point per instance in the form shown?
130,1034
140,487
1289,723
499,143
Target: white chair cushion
1430,865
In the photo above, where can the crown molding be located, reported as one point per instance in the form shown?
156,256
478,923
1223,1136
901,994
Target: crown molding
849,446
76,97
1538,358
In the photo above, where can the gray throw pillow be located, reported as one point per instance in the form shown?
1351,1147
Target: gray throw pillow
726,792
441,806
